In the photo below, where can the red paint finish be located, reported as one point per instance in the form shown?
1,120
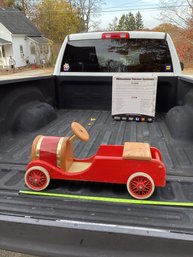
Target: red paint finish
141,186
36,179
107,166
48,150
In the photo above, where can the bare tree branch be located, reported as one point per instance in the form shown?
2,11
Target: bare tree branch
87,10
177,12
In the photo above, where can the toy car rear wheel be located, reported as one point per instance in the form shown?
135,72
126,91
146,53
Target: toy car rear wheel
140,185
37,178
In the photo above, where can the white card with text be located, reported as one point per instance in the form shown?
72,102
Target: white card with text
134,95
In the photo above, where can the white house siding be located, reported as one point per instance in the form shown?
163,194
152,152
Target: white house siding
5,34
37,56
8,53
14,50
20,56
31,56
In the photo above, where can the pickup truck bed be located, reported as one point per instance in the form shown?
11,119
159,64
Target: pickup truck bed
65,227
177,154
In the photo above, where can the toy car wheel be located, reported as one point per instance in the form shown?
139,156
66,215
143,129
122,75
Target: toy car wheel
140,185
37,178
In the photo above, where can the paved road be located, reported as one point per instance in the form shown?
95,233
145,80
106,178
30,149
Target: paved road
26,74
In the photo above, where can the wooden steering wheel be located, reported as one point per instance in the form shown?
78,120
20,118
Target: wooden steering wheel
80,131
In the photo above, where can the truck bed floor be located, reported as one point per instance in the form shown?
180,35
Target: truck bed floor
177,157
177,154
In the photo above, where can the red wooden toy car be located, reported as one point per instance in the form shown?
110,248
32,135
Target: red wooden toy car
137,165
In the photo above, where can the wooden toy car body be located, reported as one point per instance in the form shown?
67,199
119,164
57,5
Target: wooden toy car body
52,158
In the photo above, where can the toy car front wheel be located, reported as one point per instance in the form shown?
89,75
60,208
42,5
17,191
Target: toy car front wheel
140,185
37,178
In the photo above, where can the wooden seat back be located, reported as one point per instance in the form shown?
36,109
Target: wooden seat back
66,155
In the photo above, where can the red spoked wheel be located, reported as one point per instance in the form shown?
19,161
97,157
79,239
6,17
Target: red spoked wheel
37,178
140,185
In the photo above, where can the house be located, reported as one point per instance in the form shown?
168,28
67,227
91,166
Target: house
20,39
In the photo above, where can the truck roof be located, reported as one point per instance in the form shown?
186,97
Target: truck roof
132,34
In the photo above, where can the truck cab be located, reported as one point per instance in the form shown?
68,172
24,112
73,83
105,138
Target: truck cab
109,53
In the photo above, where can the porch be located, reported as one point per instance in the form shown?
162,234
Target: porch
5,52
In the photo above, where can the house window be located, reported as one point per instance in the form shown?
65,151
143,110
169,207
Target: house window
21,51
41,49
32,49
46,49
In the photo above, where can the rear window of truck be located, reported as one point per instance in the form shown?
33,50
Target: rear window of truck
117,55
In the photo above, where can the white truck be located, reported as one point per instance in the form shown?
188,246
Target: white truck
81,90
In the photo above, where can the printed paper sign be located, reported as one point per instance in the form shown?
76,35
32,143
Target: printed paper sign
134,95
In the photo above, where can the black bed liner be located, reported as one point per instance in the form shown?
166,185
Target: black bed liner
33,216
176,156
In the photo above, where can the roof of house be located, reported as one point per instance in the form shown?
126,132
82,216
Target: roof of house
40,40
17,23
4,42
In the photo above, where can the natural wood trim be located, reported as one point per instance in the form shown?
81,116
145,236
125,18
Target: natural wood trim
59,147
79,166
39,146
137,151
72,138
33,148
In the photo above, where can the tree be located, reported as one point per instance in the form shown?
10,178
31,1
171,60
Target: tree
56,19
139,21
9,3
113,25
122,23
174,31
127,22
179,12
130,22
179,35
87,9
26,6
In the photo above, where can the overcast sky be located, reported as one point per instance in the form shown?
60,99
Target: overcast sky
115,8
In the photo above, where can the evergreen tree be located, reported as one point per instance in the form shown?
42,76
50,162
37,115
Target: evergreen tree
138,21
130,23
127,22
122,23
